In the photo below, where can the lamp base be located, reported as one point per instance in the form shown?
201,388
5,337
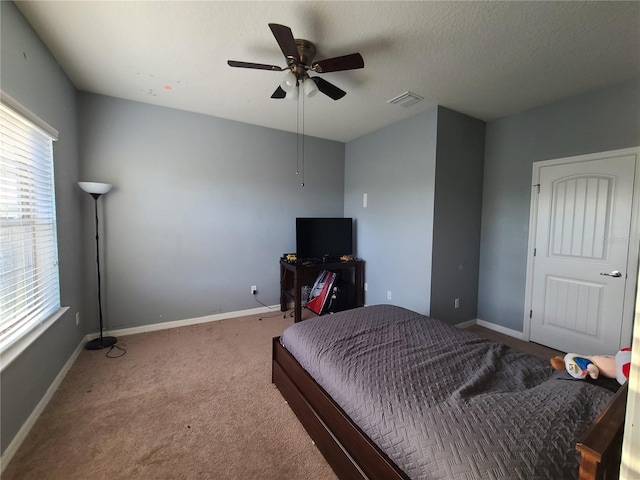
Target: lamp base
100,343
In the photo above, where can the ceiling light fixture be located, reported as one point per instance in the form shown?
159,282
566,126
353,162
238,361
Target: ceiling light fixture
292,94
289,82
309,86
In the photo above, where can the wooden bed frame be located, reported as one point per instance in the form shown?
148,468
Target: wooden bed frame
352,455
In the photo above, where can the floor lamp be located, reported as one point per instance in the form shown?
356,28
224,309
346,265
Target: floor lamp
96,190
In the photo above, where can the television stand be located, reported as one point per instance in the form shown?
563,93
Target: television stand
294,276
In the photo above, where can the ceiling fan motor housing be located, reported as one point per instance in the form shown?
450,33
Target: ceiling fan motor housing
307,52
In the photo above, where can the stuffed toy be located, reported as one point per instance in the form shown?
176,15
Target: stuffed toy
579,366
623,365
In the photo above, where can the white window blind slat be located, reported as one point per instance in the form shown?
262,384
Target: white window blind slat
29,278
15,148
29,313
20,133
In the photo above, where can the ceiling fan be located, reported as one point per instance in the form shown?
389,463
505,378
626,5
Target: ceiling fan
299,54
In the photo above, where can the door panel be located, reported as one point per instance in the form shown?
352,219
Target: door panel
579,217
582,234
573,305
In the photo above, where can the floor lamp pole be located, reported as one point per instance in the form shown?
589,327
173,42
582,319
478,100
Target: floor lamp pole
101,341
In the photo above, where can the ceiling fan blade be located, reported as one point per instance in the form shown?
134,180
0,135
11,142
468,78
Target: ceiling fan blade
329,89
279,93
337,64
285,39
257,66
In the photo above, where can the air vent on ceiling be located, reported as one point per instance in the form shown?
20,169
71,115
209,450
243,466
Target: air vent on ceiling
405,99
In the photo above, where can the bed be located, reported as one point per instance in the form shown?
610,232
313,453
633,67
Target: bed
388,393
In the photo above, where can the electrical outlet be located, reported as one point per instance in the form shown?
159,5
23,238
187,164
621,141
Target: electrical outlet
388,294
456,303
366,286
77,318
254,289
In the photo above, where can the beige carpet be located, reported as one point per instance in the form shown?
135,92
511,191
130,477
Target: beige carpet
189,403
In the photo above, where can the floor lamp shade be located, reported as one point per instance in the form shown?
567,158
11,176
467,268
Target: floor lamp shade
95,187
96,190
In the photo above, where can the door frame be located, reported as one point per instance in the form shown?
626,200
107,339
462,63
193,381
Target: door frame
629,307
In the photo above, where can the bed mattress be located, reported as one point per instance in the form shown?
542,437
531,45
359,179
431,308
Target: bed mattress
445,403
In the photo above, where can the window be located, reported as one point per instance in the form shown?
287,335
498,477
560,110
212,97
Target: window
29,283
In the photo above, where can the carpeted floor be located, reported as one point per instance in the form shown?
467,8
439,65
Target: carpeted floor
189,403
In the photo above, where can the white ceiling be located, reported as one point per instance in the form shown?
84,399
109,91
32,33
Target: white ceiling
484,59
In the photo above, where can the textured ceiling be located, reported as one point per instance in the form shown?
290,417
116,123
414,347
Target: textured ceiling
485,59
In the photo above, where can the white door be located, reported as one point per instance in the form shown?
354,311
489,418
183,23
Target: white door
581,250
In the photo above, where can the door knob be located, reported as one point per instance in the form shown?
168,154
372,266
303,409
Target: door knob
615,274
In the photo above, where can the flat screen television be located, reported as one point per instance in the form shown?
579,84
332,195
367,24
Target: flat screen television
323,238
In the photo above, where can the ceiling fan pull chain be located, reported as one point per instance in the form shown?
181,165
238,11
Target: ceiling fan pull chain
302,140
297,135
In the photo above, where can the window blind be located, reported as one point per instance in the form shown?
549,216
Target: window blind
29,280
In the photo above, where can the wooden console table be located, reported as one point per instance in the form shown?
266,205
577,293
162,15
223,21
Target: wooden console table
294,276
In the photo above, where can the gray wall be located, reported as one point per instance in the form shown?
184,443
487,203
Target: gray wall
602,120
456,223
202,208
395,166
30,75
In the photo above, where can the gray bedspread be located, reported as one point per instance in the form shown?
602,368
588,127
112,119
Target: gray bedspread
445,403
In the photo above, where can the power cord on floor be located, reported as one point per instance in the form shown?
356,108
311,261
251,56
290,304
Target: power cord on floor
268,306
123,350
274,315
263,304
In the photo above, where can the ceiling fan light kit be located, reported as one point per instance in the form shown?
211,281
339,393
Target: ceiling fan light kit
310,88
289,82
291,94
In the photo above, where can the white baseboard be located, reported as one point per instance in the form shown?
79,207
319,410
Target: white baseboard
501,329
190,321
31,420
12,448
467,324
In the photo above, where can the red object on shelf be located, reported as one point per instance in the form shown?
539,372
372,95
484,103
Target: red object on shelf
320,292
